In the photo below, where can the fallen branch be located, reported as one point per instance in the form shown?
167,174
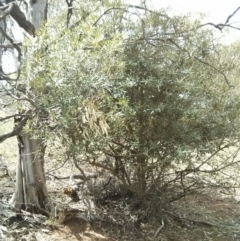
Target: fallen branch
190,220
88,176
159,229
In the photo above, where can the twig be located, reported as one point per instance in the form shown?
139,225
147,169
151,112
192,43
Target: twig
220,26
7,10
52,169
218,70
74,176
190,220
9,117
24,98
84,198
231,15
159,229
17,129
209,239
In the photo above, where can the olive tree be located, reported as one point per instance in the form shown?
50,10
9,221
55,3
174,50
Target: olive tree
134,91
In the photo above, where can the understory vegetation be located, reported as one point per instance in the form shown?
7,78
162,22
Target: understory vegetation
135,92
149,99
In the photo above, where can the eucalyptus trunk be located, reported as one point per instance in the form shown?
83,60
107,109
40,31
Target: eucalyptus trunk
31,191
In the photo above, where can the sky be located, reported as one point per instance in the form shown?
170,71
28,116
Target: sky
218,10
215,11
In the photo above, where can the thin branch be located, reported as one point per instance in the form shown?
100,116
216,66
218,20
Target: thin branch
12,42
203,62
17,129
197,169
218,70
220,26
159,229
108,10
3,76
70,11
191,220
231,15
149,10
25,98
9,46
6,10
125,10
215,153
9,117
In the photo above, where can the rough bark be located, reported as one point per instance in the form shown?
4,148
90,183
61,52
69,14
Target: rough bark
16,131
37,11
3,26
31,192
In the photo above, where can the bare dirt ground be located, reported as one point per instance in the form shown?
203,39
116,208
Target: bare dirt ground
206,215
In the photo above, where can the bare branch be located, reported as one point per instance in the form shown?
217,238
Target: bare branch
203,62
149,10
2,75
20,18
218,70
6,10
10,46
23,98
17,129
108,10
70,10
220,26
231,15
9,117
12,42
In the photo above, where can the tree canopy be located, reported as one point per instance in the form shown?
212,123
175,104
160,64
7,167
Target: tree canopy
131,90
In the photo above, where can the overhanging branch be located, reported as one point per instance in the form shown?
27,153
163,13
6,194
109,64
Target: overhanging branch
220,26
17,129
231,15
20,18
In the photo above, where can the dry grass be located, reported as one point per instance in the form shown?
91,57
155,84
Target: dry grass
8,148
181,222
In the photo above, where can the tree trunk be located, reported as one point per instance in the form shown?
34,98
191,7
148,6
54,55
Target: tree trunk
3,26
31,191
141,175
37,11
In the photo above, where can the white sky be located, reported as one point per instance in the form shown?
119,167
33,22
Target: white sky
218,10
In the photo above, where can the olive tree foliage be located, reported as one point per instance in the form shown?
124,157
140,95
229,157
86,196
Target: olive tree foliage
146,96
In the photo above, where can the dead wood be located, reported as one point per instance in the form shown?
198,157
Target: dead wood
12,215
88,176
